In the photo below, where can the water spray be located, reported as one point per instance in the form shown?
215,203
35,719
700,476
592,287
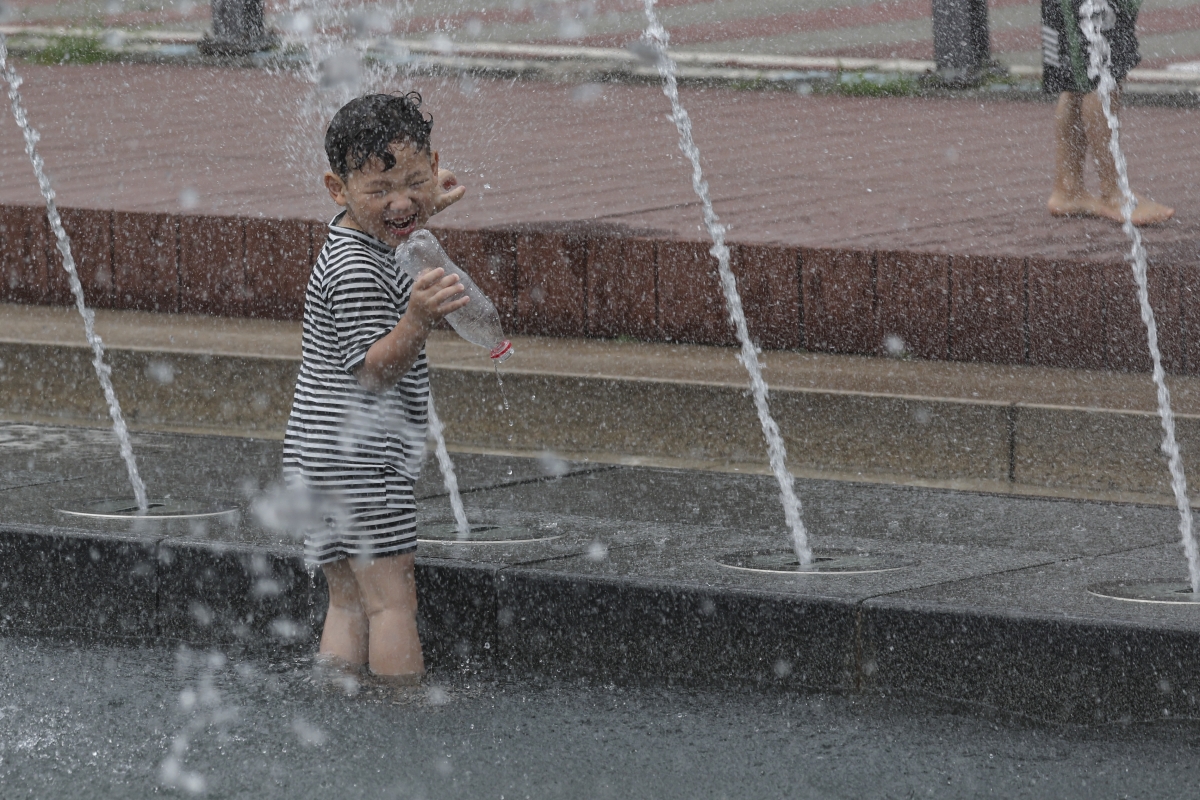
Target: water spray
448,477
656,40
1092,14
103,371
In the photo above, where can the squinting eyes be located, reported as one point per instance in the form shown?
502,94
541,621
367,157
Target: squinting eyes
381,192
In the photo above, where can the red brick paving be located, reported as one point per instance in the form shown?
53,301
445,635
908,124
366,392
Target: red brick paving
933,175
1066,315
523,14
691,305
768,280
912,293
1126,335
145,264
839,301
274,286
551,282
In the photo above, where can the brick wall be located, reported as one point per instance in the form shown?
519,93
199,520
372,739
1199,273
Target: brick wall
609,280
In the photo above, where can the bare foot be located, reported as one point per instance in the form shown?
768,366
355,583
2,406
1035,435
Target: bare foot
1062,204
1146,212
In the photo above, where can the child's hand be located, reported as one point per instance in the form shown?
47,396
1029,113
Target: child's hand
434,295
448,191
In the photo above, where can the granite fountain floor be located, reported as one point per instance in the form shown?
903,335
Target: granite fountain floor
992,607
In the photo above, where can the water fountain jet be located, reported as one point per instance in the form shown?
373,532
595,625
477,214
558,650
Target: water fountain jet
63,242
656,39
1092,16
140,505
461,531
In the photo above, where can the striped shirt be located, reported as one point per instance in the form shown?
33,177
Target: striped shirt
357,449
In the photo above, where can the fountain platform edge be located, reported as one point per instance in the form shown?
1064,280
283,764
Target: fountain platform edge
520,621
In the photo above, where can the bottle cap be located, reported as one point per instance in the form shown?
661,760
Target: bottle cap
501,352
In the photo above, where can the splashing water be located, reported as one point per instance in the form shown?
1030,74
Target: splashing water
336,39
103,371
1091,16
656,38
503,394
448,477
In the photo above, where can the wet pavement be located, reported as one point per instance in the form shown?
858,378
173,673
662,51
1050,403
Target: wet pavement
130,722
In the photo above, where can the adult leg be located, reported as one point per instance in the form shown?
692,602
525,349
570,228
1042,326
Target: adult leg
1070,148
389,595
1147,212
344,637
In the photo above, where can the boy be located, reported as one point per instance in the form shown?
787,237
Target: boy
356,433
1079,121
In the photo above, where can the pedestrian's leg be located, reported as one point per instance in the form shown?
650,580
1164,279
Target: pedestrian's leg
1147,212
1070,149
344,638
389,594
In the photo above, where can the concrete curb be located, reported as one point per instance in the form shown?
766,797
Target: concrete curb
520,621
951,442
584,63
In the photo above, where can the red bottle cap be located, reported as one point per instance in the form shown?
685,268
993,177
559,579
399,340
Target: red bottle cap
501,352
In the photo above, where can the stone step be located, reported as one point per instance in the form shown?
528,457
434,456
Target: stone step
985,427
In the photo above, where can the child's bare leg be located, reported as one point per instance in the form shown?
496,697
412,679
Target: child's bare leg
344,638
1070,147
1147,212
389,594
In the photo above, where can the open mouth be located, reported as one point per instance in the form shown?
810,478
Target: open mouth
402,226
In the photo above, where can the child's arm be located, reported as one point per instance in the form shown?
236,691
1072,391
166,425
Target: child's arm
434,295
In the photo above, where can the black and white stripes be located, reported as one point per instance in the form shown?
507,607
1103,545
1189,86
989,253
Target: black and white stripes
360,451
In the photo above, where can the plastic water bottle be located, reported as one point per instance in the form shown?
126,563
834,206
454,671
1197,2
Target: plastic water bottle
478,321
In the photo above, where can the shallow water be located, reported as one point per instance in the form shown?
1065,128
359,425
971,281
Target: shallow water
98,721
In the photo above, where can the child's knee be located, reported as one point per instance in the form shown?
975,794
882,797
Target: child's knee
343,586
387,584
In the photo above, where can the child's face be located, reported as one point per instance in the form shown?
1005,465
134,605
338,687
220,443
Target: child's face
388,204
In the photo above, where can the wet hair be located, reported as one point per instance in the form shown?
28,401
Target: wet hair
366,126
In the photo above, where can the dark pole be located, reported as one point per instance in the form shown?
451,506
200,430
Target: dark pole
237,29
961,42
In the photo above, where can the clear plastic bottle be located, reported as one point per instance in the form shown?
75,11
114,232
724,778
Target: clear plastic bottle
478,321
